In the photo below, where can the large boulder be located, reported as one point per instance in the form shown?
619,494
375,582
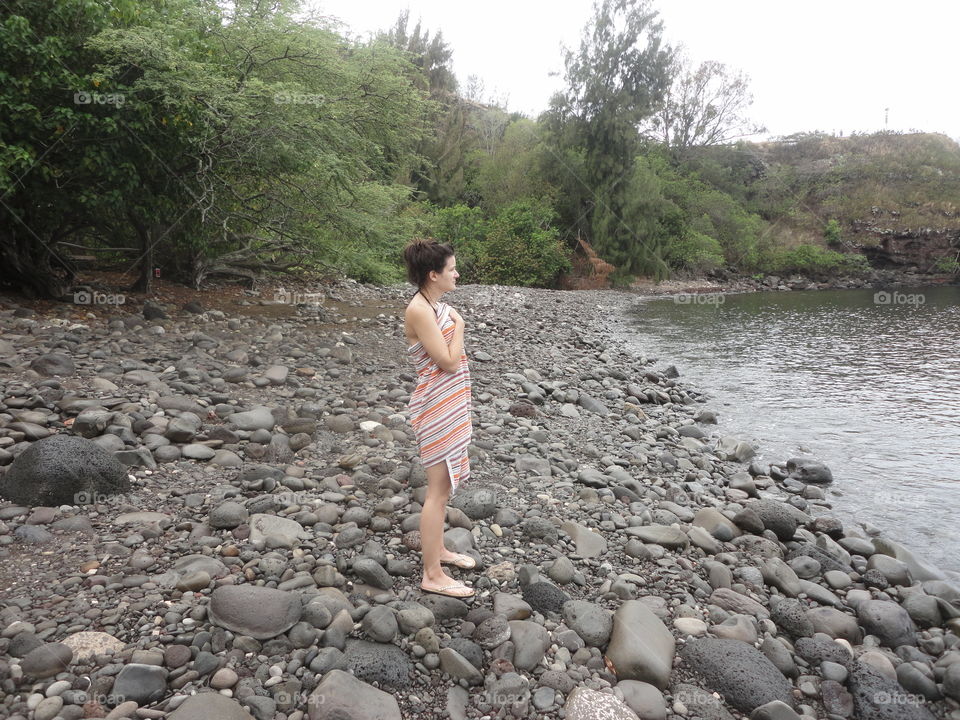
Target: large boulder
53,364
587,704
888,621
341,695
876,697
63,470
777,517
808,470
210,706
641,647
259,612
476,503
383,663
742,674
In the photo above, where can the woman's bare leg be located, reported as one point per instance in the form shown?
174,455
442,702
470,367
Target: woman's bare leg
431,526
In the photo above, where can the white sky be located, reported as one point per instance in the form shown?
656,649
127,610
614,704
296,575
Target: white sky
813,65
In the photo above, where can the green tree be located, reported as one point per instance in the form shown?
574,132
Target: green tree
52,170
703,106
513,168
439,177
248,137
615,82
523,246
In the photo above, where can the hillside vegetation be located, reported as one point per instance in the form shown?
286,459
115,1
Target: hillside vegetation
196,138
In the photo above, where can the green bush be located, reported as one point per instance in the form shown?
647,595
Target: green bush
814,260
695,253
831,233
947,265
466,229
523,247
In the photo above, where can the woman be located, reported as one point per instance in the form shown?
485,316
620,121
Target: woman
440,404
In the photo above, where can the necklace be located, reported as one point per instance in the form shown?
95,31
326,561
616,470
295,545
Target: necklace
434,306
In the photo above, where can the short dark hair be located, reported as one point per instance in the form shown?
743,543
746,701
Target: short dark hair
423,255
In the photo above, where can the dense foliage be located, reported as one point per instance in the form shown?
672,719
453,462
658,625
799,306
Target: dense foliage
236,138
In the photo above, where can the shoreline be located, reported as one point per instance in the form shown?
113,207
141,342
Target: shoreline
592,482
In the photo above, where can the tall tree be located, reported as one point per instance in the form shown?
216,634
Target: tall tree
615,82
706,105
52,169
440,177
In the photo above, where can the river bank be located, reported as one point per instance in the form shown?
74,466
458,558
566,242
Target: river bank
629,560
732,283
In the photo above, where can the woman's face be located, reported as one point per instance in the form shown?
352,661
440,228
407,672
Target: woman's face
447,279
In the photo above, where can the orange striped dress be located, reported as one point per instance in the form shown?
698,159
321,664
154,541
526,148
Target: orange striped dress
440,407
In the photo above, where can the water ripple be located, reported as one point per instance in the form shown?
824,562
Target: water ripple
871,389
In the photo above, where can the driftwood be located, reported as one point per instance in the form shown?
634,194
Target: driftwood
255,257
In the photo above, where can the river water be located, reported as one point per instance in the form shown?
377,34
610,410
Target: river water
868,384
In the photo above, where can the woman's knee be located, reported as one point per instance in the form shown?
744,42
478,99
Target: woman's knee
437,493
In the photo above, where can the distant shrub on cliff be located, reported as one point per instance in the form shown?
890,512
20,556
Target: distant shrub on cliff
815,261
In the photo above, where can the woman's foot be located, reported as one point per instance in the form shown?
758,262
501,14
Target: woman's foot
464,562
446,585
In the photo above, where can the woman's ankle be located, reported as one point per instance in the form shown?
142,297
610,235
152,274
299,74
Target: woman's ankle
437,578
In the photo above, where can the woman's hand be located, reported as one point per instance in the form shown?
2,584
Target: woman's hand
455,316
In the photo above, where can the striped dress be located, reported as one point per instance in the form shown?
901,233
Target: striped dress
440,407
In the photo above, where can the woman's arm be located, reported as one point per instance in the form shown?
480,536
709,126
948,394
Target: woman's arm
425,327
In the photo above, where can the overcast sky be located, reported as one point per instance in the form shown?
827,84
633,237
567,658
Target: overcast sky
814,65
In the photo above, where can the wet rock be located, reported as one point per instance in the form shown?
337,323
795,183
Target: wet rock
809,471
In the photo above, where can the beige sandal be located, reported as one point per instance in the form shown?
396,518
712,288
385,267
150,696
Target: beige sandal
464,562
449,590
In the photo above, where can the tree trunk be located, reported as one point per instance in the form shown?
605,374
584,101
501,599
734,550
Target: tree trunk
28,265
144,281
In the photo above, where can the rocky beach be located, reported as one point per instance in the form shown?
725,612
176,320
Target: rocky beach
212,512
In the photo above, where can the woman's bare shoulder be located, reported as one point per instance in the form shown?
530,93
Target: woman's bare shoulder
416,309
